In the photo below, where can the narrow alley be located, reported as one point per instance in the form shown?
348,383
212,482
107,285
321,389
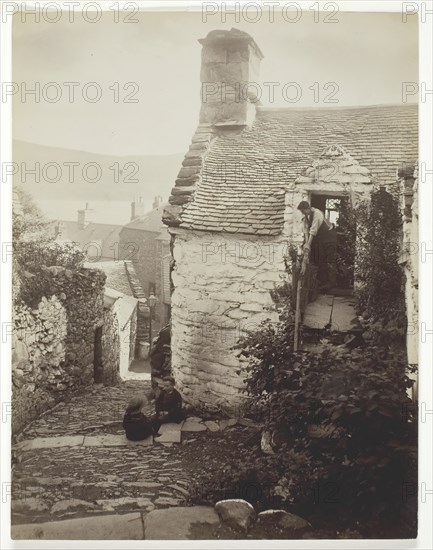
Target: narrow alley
75,461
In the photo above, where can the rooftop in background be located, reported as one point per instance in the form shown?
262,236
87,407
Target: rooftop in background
152,223
117,275
98,240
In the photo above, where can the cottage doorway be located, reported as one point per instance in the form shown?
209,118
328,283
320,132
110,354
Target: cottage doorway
97,357
337,210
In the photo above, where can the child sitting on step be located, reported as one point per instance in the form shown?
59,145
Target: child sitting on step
136,424
168,405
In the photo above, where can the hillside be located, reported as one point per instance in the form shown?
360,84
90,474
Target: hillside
155,174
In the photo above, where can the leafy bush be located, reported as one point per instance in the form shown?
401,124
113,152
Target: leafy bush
346,229
380,295
32,255
34,249
343,427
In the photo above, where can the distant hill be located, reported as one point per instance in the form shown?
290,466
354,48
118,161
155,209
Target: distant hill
155,174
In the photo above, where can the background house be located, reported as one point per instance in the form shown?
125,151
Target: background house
146,243
99,241
233,211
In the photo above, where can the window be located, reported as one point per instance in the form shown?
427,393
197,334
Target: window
332,209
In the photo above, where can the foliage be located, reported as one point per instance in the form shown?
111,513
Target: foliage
346,230
32,255
381,292
29,223
34,249
343,427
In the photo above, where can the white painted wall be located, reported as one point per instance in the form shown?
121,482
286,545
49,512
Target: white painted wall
124,307
222,289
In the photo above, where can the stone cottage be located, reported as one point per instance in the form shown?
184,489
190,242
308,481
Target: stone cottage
232,212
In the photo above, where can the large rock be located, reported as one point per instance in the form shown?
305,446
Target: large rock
283,520
236,513
191,425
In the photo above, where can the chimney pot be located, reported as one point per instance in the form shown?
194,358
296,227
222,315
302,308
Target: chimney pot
157,202
137,208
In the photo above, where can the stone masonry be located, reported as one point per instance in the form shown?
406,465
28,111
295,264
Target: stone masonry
54,339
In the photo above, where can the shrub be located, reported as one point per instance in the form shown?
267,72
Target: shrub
357,399
380,295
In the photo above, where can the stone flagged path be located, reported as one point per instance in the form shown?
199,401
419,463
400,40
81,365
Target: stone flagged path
75,462
198,522
339,310
170,433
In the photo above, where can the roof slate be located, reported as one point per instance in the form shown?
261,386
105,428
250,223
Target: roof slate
104,236
149,222
244,174
117,276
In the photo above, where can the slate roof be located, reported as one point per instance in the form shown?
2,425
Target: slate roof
149,222
235,180
117,276
103,235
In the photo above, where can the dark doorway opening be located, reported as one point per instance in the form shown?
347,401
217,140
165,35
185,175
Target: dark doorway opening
337,210
98,370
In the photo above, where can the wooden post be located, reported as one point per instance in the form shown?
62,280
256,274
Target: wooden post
302,273
297,314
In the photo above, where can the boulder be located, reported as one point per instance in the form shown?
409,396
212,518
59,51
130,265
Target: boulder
236,513
283,520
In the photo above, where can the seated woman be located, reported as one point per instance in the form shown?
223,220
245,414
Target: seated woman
136,425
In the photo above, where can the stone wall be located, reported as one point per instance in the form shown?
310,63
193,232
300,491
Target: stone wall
222,289
110,348
409,261
53,343
38,351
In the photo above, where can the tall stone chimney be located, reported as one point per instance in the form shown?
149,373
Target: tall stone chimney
84,217
137,208
230,66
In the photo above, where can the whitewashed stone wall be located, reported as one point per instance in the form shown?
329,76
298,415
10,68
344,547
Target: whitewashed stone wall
122,327
222,289
409,260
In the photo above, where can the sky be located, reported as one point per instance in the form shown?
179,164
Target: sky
365,58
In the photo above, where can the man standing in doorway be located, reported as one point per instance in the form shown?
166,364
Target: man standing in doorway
320,241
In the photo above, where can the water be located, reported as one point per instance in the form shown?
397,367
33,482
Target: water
113,212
